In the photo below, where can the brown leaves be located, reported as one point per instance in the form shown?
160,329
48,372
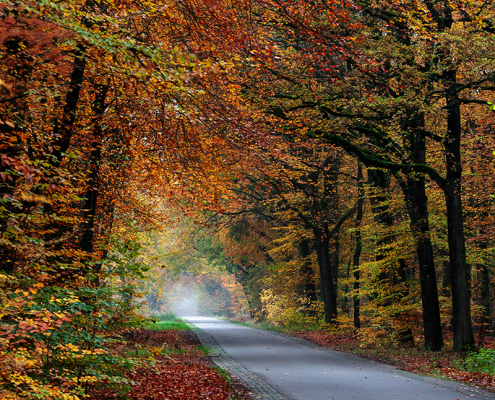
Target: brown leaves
178,381
326,339
472,378
175,376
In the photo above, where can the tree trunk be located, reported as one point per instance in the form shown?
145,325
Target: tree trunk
328,281
485,297
63,129
358,249
459,270
89,213
62,133
417,205
307,273
418,214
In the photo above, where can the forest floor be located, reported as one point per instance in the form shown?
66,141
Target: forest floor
174,367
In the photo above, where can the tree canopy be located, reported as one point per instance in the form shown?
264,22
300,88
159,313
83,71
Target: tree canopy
315,162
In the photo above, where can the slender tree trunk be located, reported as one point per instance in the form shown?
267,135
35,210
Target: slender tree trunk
485,296
307,272
359,246
328,281
346,290
63,129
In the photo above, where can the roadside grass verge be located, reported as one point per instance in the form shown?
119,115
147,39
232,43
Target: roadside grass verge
168,321
166,325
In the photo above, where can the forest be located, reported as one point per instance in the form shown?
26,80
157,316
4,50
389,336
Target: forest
327,164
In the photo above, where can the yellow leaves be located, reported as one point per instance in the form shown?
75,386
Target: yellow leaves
23,292
35,198
84,379
12,370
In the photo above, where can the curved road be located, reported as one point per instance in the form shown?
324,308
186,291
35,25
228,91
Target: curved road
276,366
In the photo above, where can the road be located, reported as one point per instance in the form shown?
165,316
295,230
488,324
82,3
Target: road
269,363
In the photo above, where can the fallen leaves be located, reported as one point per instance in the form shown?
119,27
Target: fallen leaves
471,378
177,381
182,374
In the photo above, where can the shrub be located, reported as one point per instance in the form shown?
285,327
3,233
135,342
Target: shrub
482,361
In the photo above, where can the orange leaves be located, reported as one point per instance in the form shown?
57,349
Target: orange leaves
178,382
173,377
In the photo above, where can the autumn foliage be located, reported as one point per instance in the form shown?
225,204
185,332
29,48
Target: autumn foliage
318,163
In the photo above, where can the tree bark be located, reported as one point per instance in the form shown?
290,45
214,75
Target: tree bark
63,129
459,270
417,205
418,214
328,281
358,249
92,193
307,272
485,297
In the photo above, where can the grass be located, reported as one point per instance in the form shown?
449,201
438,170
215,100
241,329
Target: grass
169,321
204,349
163,325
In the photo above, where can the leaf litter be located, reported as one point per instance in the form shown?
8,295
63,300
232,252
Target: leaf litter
181,371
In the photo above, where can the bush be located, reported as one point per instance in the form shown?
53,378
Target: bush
483,361
169,316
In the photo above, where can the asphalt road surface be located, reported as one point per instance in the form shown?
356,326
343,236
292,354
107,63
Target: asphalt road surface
301,371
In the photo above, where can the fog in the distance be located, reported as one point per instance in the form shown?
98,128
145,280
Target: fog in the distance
187,302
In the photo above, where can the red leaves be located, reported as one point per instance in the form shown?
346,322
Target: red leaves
178,381
174,377
472,378
326,339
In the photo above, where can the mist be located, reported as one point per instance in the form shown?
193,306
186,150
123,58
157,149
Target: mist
187,302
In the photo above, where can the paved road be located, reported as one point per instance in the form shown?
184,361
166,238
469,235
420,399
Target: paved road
279,367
